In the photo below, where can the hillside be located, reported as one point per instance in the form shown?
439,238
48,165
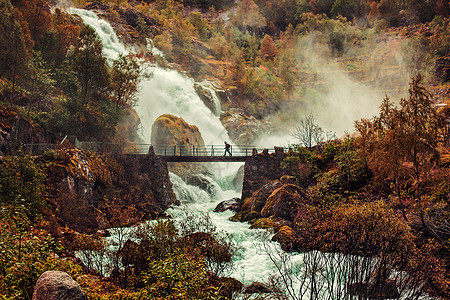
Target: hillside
373,73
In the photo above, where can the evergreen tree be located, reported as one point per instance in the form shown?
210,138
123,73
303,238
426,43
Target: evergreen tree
89,65
268,48
13,52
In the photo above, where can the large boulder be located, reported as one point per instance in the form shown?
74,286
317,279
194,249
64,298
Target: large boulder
228,286
57,285
258,200
172,130
284,202
241,128
257,288
286,237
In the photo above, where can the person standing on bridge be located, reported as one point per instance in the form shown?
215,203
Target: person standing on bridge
227,149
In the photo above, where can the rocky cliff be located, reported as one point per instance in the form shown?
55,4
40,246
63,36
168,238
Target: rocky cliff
90,192
15,131
242,128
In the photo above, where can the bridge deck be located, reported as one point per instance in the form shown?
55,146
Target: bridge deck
204,158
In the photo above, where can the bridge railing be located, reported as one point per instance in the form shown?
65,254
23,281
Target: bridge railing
162,150
207,150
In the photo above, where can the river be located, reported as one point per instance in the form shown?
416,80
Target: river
170,92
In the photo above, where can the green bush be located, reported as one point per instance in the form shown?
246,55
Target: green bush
22,184
24,256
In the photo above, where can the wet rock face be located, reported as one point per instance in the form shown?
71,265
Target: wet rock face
239,179
208,93
133,17
205,183
127,22
243,129
172,130
80,179
16,131
150,173
128,128
56,285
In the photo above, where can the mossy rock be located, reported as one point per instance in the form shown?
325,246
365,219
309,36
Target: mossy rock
258,199
252,216
227,286
284,202
263,223
238,217
285,236
271,222
245,216
172,130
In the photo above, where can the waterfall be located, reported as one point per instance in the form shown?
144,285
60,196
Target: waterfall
112,46
169,92
166,92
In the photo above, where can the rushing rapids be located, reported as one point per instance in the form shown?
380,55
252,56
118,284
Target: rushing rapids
168,91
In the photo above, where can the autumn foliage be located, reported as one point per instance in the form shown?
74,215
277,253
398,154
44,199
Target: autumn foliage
381,194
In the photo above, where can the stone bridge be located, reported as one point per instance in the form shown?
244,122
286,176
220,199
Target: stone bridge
261,165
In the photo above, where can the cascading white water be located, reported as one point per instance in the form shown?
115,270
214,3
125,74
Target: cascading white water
168,91
251,264
112,47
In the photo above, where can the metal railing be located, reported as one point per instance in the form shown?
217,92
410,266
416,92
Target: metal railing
207,150
161,150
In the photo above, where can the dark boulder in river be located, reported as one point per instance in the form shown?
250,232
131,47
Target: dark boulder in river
232,204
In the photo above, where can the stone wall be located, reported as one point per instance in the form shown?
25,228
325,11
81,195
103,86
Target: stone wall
261,169
154,171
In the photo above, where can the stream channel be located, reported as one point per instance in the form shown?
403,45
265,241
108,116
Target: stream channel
169,92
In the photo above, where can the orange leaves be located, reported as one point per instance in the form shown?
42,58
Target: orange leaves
38,16
268,48
363,229
66,30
